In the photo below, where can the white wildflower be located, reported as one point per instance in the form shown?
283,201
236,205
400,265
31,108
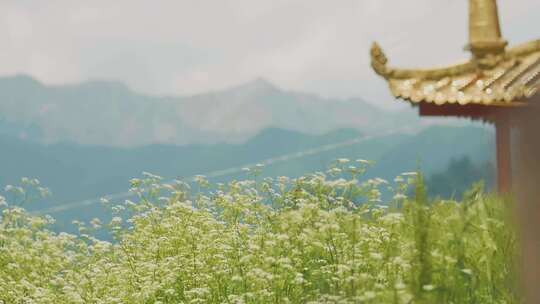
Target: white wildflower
376,256
409,173
334,171
96,223
152,176
116,220
467,271
369,295
44,192
381,181
399,197
3,202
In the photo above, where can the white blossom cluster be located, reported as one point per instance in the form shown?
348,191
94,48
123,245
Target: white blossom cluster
313,239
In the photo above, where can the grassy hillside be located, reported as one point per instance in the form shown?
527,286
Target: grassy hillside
76,172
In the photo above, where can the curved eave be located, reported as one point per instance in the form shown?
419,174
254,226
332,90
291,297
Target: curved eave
502,80
379,64
463,102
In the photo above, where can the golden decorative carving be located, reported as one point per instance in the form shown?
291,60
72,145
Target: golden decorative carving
484,29
493,76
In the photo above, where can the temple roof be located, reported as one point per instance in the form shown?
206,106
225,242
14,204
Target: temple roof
495,75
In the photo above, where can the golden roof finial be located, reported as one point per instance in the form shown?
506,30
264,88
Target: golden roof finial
484,28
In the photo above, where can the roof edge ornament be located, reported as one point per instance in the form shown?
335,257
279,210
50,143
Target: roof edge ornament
485,36
379,63
496,75
379,60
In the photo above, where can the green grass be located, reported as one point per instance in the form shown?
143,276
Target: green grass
321,238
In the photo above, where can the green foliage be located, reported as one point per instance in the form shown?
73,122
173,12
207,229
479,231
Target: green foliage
315,239
460,174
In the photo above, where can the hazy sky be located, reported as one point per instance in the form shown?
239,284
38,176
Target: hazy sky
186,47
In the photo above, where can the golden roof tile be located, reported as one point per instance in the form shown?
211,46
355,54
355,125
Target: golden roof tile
493,76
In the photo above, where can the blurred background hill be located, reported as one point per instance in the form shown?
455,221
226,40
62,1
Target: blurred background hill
88,140
111,114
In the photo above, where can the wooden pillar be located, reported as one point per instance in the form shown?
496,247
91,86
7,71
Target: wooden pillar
504,157
527,192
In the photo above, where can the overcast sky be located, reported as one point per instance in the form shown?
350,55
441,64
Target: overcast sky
184,47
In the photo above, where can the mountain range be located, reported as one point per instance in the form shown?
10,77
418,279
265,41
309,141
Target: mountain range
111,114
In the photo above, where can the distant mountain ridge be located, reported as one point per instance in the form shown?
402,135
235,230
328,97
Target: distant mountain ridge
111,114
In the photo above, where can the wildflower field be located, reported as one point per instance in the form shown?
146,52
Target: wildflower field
322,238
